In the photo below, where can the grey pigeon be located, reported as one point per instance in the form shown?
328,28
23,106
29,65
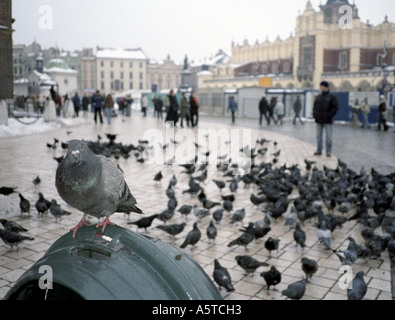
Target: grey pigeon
228,205
271,244
24,204
200,212
291,218
217,215
211,231
348,256
165,215
12,226
36,181
299,236
158,177
272,277
222,277
324,236
57,211
309,267
173,181
93,184
12,238
192,237
238,216
249,264
220,184
359,287
185,210
245,239
173,229
296,290
208,204
42,205
172,204
144,222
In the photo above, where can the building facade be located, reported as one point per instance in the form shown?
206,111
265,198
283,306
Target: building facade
119,70
164,75
6,56
325,45
88,71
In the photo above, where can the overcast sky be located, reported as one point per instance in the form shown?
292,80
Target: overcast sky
198,28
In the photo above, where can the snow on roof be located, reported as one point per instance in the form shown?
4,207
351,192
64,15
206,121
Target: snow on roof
42,76
21,81
60,70
130,54
205,73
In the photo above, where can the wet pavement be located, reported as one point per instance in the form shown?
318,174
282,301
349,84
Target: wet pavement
23,158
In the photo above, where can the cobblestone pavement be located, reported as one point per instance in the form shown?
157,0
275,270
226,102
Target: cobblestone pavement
23,158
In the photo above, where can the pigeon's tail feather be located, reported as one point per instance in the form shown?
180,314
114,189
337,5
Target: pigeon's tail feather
229,287
184,245
28,238
232,243
263,264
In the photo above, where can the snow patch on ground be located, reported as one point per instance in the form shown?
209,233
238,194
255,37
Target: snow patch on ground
16,128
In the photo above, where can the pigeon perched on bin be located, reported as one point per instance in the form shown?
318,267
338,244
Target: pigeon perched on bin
93,184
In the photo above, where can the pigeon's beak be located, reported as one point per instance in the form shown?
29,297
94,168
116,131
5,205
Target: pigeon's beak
76,154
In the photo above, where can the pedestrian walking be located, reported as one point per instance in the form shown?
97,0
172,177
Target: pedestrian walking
109,107
298,110
172,115
59,107
144,105
279,110
193,102
159,107
184,113
129,102
77,104
271,108
233,108
97,102
382,114
85,104
325,108
263,109
166,103
365,109
355,112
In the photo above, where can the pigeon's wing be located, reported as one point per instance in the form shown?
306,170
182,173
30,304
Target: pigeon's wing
116,189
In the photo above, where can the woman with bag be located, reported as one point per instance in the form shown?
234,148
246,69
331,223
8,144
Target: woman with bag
109,106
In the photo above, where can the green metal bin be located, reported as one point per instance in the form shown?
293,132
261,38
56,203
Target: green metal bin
117,265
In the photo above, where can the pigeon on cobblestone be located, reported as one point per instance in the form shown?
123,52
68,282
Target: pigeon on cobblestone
249,264
173,229
309,267
324,236
24,204
166,215
358,289
245,239
36,181
42,205
12,226
299,236
6,191
185,210
296,290
192,237
218,214
200,212
211,231
57,211
220,184
144,222
222,277
13,239
158,177
238,216
272,277
272,244
348,256
93,184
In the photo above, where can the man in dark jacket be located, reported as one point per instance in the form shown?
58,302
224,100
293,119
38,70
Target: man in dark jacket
77,104
325,109
263,108
298,110
97,102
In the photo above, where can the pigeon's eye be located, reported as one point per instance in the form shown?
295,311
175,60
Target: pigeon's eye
82,147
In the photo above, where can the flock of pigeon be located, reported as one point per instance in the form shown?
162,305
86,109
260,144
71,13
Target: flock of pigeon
365,197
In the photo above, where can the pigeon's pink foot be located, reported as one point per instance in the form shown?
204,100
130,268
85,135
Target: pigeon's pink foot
105,223
80,224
